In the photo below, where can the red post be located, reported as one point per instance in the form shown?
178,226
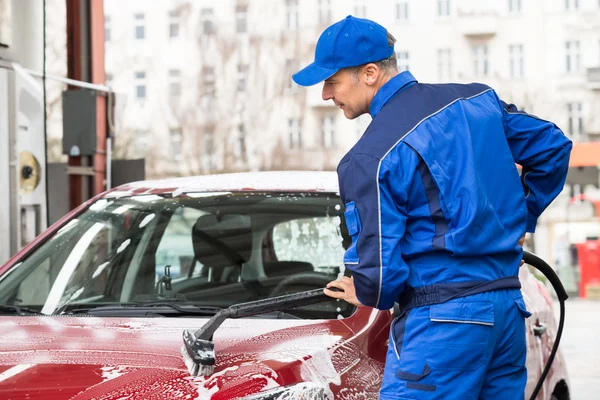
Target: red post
98,76
85,62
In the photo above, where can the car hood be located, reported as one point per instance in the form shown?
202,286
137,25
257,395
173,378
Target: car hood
114,358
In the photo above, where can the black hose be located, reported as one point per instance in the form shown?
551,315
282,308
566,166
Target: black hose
549,273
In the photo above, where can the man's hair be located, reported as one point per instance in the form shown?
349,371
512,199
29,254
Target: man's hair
389,64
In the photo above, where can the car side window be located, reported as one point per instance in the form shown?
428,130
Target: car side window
176,248
317,241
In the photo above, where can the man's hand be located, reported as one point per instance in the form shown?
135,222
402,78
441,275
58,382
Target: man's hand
349,292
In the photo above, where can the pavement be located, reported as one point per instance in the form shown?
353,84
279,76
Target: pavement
580,346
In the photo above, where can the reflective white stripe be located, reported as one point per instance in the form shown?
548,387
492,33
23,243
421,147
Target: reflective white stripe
462,322
17,369
394,340
377,180
526,114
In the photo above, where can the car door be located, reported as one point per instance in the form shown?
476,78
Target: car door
540,326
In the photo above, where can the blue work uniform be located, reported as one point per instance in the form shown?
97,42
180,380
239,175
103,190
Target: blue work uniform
436,207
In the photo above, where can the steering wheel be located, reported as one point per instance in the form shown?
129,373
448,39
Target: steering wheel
310,280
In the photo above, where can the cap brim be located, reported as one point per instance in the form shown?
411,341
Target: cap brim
313,74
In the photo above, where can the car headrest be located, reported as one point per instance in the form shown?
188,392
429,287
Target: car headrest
222,240
280,268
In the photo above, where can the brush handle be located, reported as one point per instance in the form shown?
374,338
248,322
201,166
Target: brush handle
278,303
264,306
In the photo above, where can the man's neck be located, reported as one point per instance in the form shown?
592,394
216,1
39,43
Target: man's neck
385,78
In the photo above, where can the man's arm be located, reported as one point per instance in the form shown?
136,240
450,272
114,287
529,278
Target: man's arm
543,151
375,194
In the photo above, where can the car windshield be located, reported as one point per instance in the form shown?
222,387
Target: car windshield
207,249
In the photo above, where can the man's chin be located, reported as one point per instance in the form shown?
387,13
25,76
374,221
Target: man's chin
350,115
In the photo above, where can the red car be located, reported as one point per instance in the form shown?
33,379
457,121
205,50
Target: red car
96,306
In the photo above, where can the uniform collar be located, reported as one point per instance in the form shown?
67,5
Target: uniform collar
390,89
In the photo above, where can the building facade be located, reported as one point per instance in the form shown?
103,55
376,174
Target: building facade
206,85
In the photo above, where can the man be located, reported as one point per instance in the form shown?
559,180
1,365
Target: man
436,209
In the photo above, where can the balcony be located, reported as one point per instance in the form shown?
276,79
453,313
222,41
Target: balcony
593,78
477,24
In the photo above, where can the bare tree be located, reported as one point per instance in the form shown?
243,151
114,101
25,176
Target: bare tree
229,117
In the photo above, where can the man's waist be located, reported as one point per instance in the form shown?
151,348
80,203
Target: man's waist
443,292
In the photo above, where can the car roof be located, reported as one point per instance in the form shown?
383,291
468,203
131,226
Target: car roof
267,181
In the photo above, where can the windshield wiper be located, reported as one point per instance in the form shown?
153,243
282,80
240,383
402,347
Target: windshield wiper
148,310
6,309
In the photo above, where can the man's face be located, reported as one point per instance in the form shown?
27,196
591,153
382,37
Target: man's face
347,92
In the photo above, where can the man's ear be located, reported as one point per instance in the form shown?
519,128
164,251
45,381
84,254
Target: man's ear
371,73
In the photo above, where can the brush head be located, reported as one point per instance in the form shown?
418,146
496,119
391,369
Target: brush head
198,354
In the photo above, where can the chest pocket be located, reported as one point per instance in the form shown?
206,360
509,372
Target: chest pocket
354,228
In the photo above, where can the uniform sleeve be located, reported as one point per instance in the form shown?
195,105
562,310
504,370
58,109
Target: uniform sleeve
375,215
543,151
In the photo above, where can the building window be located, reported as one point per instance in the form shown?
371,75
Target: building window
242,77
328,131
241,18
174,82
140,85
176,138
572,56
575,114
295,133
444,65
480,60
241,142
291,66
443,8
141,141
517,67
571,5
292,14
173,24
514,6
403,59
209,151
208,88
107,28
360,9
402,10
324,12
140,29
206,21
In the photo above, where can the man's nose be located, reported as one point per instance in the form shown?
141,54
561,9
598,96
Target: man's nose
326,92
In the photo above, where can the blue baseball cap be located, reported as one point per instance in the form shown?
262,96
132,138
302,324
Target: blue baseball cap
348,43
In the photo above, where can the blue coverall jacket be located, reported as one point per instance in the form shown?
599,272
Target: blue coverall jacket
433,197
